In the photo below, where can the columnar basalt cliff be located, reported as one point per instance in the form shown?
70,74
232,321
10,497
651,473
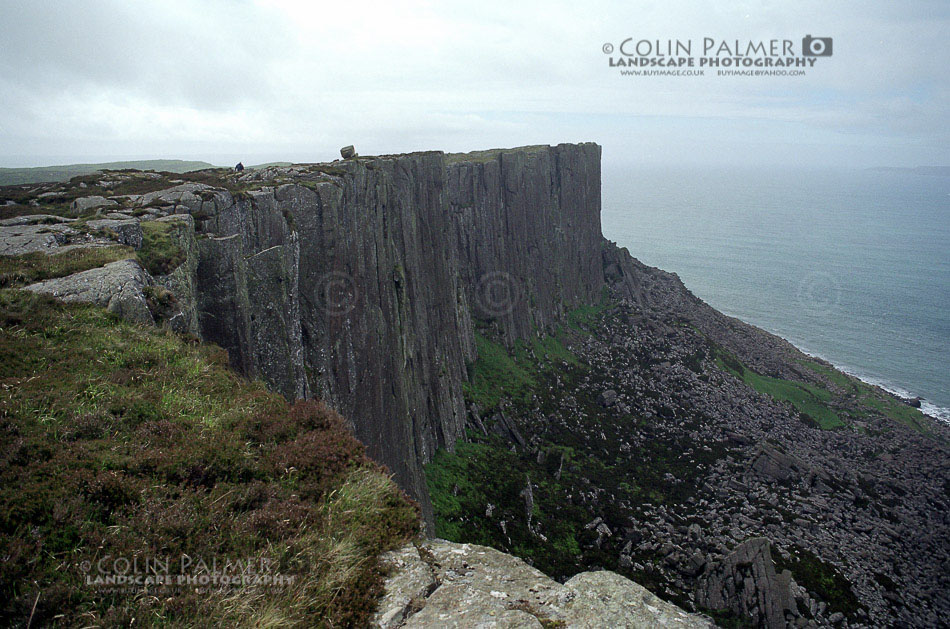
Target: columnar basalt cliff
358,281
528,230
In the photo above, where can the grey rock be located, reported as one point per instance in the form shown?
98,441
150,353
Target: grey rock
777,465
224,309
746,582
275,319
410,581
118,286
474,586
55,238
126,231
84,204
188,196
347,152
182,281
35,219
606,599
607,398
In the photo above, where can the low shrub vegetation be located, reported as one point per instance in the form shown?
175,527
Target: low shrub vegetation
820,578
126,442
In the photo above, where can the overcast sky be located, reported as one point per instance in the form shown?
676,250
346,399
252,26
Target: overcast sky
284,80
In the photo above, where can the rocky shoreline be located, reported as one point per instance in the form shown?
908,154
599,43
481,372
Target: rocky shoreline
740,479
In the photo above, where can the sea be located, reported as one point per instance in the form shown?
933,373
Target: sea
849,265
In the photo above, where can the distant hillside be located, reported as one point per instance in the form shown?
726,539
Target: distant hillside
268,164
41,174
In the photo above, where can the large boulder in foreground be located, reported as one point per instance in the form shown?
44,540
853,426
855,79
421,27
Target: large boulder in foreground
442,584
118,287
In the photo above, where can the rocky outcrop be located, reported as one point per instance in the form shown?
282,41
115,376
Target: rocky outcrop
746,582
91,203
441,584
124,231
20,237
182,281
117,286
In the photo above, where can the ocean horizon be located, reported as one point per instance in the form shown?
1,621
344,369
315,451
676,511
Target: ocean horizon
849,265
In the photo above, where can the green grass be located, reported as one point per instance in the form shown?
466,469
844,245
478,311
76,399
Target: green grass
894,409
840,379
160,253
129,441
462,483
498,373
549,350
814,401
874,401
808,399
495,374
38,266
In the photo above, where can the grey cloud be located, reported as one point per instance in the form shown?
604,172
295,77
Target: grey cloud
282,76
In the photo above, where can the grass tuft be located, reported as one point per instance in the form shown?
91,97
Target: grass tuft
160,253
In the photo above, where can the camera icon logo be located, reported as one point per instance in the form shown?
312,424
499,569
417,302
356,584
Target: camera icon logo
816,46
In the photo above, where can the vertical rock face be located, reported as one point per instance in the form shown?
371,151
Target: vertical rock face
358,281
528,230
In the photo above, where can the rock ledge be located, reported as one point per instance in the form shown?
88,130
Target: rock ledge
441,584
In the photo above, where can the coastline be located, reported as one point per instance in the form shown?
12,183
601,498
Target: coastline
927,407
